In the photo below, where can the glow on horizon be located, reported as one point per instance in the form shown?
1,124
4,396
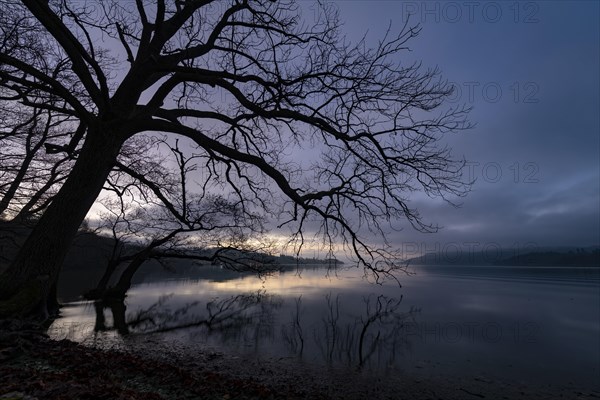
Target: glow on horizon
285,284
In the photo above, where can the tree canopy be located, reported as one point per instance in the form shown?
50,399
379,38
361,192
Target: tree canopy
289,118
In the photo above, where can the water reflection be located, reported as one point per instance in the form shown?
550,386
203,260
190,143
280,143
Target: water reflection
466,321
374,336
350,340
354,341
227,317
219,315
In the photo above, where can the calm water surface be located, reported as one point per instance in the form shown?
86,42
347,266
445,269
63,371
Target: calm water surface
512,323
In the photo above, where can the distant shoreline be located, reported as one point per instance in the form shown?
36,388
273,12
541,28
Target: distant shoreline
578,258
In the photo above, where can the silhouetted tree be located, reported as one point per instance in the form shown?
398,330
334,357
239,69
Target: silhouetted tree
249,82
29,175
163,218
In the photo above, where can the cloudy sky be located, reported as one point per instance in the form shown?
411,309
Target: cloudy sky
530,71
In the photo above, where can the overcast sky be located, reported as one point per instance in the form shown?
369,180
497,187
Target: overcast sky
531,72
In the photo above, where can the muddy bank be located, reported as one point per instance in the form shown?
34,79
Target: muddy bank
310,381
35,367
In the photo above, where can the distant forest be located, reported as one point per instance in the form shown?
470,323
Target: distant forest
576,257
89,255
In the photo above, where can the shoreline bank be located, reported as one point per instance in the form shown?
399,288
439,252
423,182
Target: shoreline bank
35,366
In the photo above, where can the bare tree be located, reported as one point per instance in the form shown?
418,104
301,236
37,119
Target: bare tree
249,82
155,215
29,174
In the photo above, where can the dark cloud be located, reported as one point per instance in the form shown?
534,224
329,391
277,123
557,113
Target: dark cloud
532,79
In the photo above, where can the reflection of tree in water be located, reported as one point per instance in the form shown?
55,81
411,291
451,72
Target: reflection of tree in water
292,333
378,331
375,336
232,317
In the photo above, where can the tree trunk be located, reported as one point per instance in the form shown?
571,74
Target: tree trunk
26,284
118,309
100,324
108,273
52,301
124,283
100,291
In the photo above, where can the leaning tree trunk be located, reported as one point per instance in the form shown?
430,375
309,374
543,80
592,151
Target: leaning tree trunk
27,283
101,291
118,309
126,278
103,282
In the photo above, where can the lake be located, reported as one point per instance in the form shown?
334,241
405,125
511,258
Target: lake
520,324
